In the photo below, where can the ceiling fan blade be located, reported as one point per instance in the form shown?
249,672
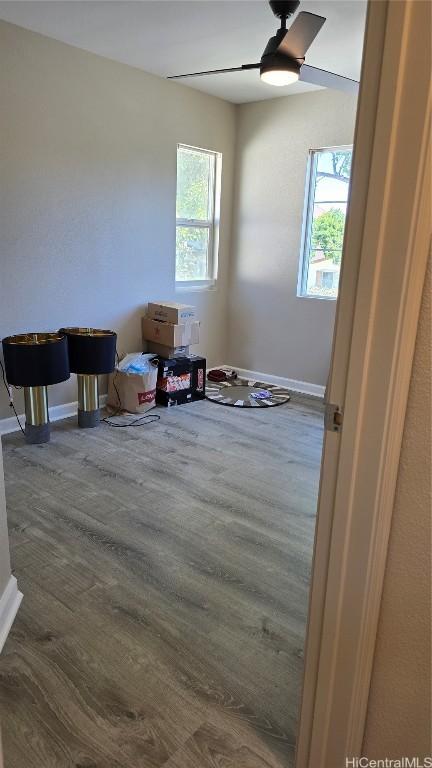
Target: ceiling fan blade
216,71
301,35
328,79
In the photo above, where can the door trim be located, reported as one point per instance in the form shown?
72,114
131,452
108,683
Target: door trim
10,601
386,248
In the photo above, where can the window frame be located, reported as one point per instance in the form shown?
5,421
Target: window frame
308,205
211,223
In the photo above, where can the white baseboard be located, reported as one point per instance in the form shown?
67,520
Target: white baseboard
56,412
303,387
9,603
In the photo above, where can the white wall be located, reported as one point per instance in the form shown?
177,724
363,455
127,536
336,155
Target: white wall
87,193
399,712
270,329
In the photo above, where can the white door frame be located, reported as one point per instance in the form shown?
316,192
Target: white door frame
385,254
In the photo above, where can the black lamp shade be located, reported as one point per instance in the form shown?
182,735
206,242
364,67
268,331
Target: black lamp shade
36,359
91,350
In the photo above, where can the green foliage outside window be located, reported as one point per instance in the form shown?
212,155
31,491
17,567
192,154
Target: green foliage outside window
194,178
327,234
193,170
191,250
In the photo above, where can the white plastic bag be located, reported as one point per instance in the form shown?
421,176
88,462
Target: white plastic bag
136,362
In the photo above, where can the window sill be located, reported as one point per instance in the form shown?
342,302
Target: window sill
320,298
203,285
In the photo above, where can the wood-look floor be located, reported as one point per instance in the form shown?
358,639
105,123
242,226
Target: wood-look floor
165,573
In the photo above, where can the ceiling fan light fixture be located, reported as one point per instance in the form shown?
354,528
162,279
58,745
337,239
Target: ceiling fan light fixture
279,70
278,77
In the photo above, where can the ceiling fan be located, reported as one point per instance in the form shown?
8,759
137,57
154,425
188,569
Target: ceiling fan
282,62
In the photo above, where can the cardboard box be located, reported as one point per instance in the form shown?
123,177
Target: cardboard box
174,398
181,381
175,383
170,335
171,312
198,366
167,353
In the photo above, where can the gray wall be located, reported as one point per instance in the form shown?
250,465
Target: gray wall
87,206
399,713
87,194
270,329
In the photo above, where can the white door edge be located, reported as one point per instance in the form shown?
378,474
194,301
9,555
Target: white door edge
387,242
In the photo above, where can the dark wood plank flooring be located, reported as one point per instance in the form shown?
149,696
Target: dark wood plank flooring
165,573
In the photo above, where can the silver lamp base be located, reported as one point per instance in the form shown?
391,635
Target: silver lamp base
37,427
88,401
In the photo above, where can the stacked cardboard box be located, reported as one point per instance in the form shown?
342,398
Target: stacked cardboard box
169,329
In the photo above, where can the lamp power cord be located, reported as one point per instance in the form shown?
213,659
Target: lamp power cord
9,393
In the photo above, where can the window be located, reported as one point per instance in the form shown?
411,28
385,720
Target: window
327,188
198,185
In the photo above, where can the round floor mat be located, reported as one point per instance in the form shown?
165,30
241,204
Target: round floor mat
242,393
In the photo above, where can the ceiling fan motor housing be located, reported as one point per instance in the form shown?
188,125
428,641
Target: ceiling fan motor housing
283,9
274,59
280,62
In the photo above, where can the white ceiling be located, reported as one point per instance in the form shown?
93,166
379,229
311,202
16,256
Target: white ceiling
168,37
